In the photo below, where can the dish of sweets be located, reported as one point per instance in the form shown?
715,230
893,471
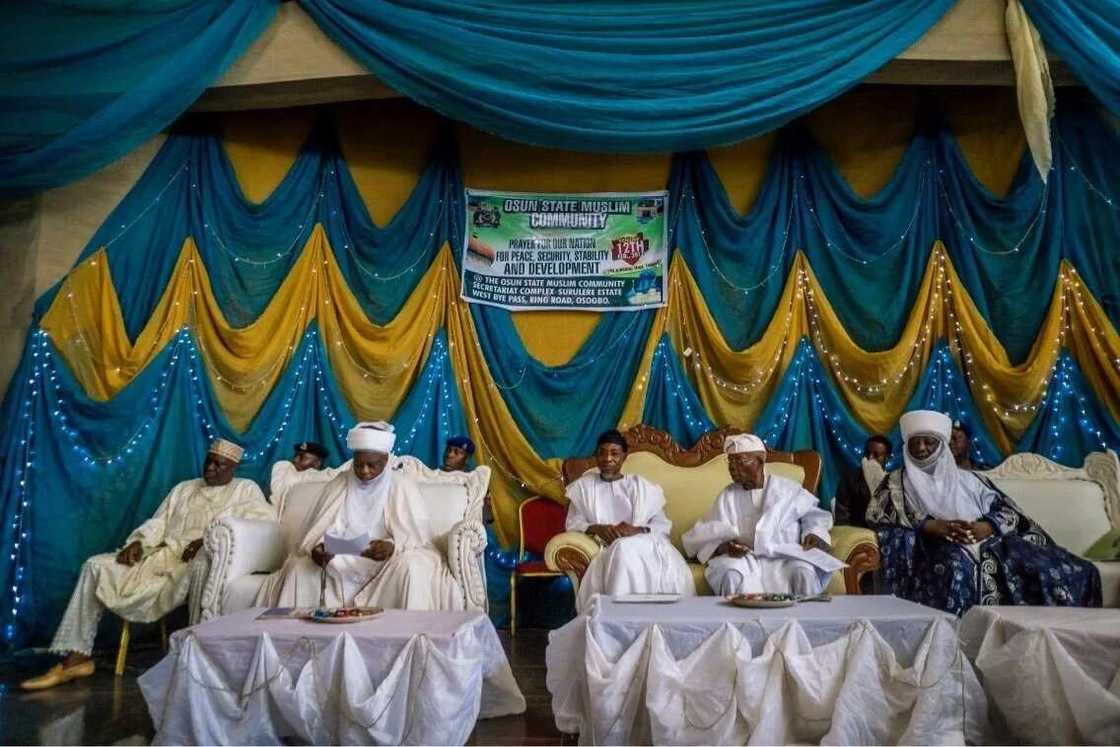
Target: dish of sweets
344,614
762,600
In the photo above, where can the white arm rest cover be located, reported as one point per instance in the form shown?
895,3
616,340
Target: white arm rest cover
238,547
466,543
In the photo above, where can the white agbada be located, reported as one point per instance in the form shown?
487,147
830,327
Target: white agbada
774,521
159,583
642,564
414,577
285,476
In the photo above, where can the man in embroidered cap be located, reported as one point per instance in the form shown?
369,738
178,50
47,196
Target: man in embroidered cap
626,515
306,465
764,534
150,575
396,565
950,539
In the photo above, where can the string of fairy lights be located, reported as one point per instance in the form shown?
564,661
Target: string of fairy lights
1056,389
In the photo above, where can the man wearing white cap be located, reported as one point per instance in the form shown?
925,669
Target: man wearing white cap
950,539
764,534
150,575
626,515
366,541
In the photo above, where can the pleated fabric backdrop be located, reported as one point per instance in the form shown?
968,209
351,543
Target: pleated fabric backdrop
221,298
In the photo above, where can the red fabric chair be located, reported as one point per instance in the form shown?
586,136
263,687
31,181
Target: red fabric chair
538,520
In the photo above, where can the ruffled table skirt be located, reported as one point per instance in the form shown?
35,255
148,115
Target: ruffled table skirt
402,678
857,670
1052,673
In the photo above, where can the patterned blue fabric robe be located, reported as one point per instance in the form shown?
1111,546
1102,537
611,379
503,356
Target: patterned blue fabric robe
1018,564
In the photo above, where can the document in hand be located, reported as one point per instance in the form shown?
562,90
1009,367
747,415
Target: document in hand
346,546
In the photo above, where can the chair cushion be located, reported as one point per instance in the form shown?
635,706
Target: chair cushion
700,580
240,593
1110,583
1071,511
690,491
301,498
541,520
445,505
534,566
1106,548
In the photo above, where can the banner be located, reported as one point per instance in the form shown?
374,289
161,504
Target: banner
595,252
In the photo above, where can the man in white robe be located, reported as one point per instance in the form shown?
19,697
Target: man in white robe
764,534
626,514
150,576
306,465
399,566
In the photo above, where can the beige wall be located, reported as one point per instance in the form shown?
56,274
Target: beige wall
40,238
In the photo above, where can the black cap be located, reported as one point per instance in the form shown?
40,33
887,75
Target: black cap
312,448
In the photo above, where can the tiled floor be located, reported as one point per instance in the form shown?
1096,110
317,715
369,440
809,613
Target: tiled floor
105,709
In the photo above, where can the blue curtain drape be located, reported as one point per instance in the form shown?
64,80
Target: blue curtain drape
1086,35
624,75
84,82
69,461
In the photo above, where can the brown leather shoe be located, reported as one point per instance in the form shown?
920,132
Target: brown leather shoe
59,674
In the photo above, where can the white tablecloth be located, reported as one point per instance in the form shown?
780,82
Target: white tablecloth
856,670
1053,673
402,678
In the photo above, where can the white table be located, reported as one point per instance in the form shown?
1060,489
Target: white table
404,677
1053,673
856,670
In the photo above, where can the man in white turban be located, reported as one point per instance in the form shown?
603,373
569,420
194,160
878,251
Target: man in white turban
366,541
150,575
764,534
626,515
950,539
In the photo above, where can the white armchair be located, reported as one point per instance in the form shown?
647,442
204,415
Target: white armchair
242,552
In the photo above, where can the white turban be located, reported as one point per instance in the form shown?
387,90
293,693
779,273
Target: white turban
377,437
743,443
925,423
935,484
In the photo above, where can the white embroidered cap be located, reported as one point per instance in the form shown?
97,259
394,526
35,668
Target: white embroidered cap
743,443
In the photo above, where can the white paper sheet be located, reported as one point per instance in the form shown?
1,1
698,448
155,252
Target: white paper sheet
346,546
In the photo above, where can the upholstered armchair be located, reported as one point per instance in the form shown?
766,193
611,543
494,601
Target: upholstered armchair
243,552
691,479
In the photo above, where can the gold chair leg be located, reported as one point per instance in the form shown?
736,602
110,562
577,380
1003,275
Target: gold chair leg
513,604
122,649
163,633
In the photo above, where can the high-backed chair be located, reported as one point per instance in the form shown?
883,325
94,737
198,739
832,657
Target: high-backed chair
1075,505
243,551
691,480
538,521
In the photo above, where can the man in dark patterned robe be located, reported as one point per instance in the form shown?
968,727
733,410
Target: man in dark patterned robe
950,539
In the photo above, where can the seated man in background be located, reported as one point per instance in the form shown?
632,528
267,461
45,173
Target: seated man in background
764,534
150,576
397,565
855,488
456,454
950,539
306,465
960,443
625,514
